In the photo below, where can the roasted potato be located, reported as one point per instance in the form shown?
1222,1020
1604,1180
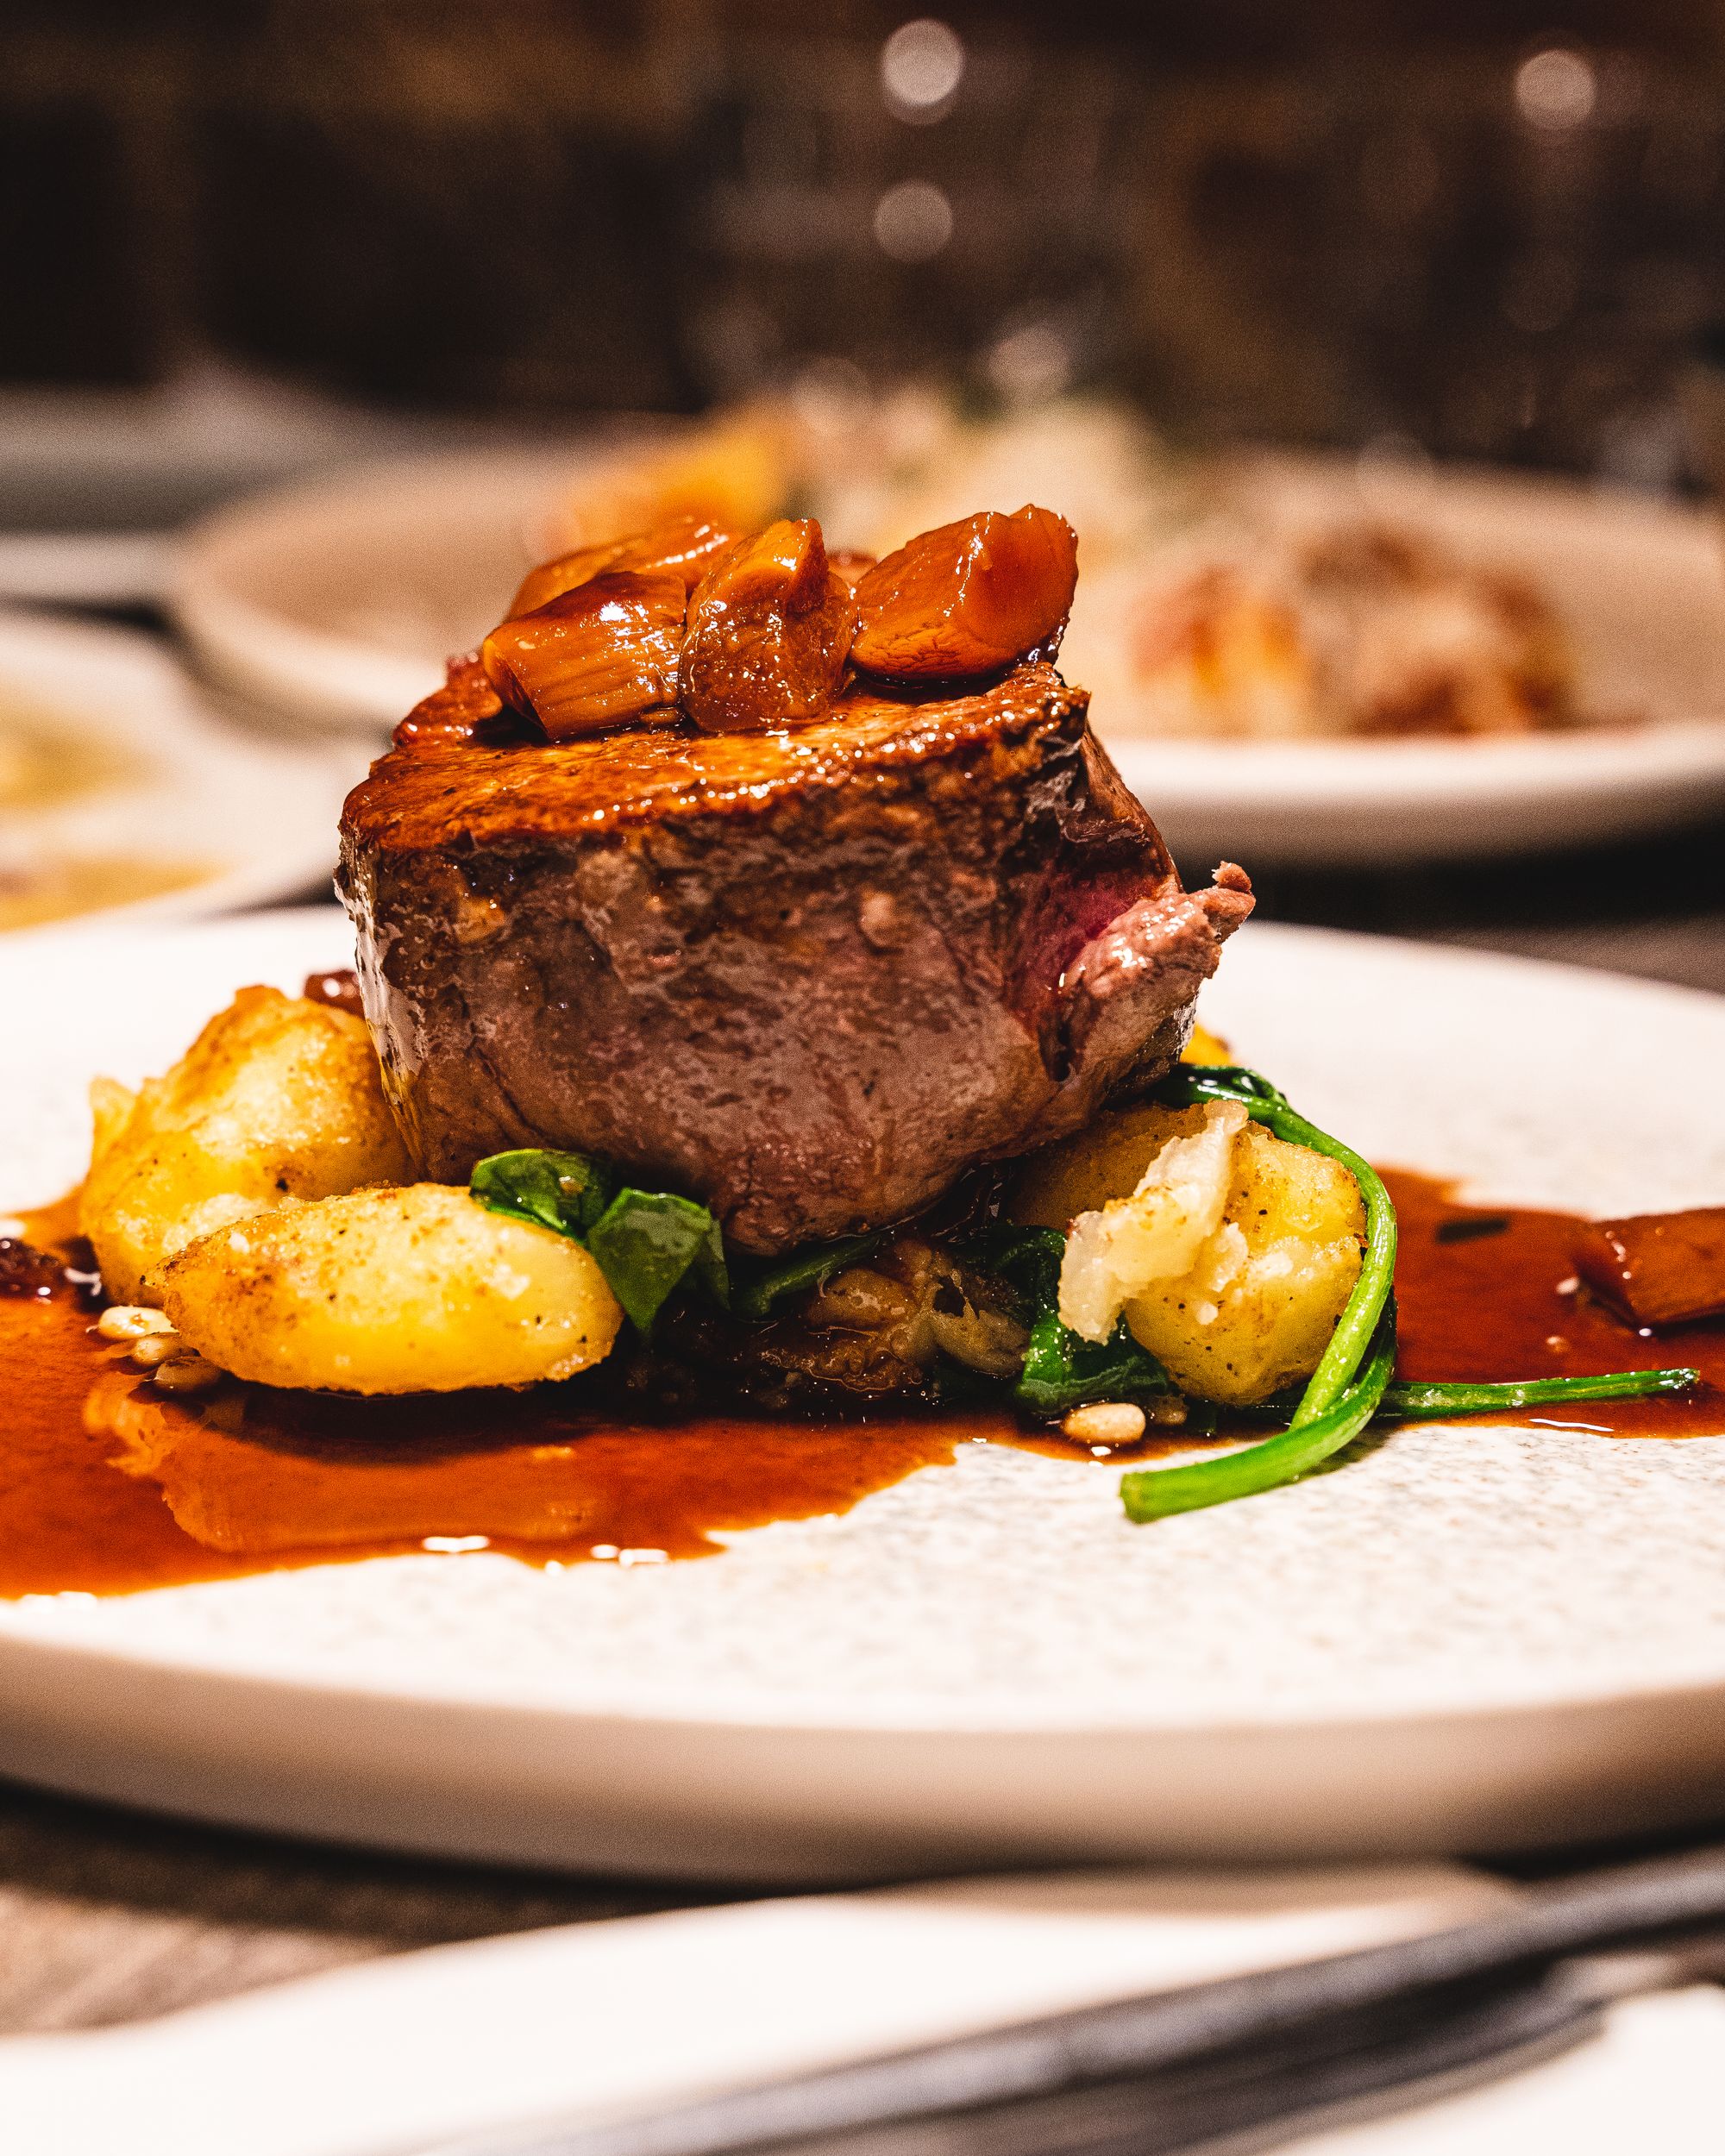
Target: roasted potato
1107,1160
277,1100
1229,1252
391,1291
1257,1309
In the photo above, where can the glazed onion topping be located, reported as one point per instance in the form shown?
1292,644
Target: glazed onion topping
752,633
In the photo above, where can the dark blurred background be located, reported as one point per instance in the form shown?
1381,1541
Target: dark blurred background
245,239
1491,227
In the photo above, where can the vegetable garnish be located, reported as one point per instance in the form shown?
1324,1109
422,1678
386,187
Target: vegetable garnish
647,1242
1429,1402
643,1241
1352,1385
1158,1492
1062,1370
755,1294
566,1191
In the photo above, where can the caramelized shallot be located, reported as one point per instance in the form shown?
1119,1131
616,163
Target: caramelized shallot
1657,1268
687,544
564,573
967,598
768,628
595,657
457,710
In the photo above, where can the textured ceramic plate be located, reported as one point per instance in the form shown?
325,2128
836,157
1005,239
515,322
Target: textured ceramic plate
338,601
133,787
1468,1637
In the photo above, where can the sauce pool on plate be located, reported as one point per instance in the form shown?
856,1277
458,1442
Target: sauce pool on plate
1491,1294
108,1485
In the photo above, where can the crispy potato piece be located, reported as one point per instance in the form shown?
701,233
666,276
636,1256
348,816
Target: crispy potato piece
391,1291
1159,1231
1101,1163
277,1099
1256,1307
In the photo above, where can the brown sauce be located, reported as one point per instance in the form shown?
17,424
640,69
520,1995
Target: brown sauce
1504,1304
107,1484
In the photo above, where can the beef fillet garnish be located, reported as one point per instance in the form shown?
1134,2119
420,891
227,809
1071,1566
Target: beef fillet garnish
769,626
967,598
808,977
593,657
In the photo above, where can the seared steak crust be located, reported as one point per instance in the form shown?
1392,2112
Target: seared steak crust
809,978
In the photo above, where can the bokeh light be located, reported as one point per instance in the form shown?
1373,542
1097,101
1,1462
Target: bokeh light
922,64
913,220
1029,365
1556,89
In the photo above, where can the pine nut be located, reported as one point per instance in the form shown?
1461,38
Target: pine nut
1104,1422
187,1373
131,1321
155,1348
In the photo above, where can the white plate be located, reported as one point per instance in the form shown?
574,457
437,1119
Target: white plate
1466,1638
257,816
338,602
1640,587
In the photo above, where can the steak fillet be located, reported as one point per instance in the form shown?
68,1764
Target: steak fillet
809,978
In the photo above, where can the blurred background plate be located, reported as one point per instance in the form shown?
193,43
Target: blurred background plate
335,603
1639,585
1338,804
121,796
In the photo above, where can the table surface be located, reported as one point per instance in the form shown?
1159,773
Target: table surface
107,1916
